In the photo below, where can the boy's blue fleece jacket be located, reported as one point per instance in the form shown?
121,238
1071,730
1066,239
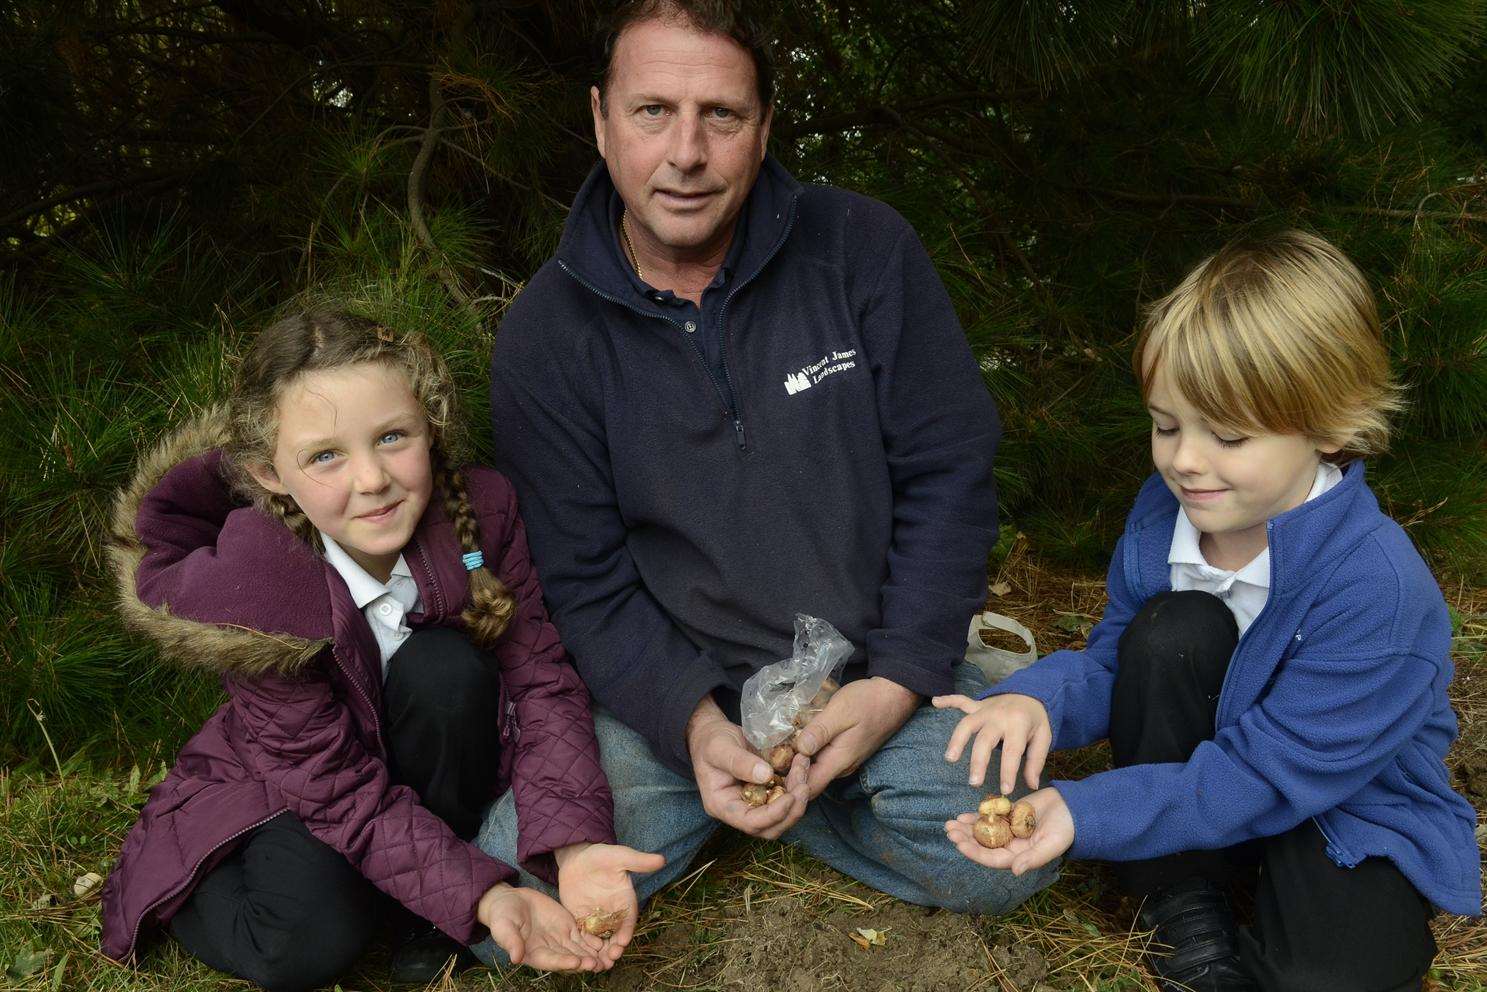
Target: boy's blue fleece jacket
836,462
1334,706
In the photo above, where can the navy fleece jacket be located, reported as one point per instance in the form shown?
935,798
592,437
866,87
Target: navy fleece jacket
836,462
1334,707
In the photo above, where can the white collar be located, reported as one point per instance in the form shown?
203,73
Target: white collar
364,588
1185,550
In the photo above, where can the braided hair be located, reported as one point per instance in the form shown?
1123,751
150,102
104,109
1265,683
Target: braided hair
323,339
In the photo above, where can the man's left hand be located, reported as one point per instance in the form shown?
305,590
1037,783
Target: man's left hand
859,717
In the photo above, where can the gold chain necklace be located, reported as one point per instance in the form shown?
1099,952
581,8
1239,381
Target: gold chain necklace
625,231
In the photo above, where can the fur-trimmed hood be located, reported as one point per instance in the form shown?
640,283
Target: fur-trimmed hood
212,581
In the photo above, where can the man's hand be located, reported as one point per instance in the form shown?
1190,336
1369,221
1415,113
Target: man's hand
1053,835
855,722
722,762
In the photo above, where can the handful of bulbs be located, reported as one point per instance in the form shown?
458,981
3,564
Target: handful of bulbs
999,819
601,924
783,754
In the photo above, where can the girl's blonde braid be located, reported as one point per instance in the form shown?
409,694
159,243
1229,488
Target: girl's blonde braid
491,603
287,510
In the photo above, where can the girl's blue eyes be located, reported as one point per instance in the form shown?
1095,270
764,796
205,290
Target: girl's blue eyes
327,456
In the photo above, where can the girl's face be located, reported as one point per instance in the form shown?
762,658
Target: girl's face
1229,484
353,452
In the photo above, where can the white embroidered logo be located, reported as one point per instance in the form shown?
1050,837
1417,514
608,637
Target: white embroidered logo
795,382
837,361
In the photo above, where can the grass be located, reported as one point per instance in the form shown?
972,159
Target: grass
59,821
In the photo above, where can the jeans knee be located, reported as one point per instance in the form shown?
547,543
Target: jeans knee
996,892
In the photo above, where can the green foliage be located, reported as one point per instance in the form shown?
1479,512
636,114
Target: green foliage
1321,63
172,177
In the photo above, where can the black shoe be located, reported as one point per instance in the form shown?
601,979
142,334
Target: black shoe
422,952
1192,918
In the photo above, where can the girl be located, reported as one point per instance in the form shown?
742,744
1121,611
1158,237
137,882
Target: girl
1271,669
389,668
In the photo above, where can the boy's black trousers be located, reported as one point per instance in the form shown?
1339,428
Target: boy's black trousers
1317,927
289,912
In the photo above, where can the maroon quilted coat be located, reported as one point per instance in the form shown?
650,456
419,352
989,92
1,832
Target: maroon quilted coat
225,586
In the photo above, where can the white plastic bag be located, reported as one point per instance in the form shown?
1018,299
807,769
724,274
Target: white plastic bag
775,694
998,663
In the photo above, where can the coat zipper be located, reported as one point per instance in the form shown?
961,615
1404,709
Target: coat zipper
1269,599
1335,851
428,569
139,920
377,725
723,315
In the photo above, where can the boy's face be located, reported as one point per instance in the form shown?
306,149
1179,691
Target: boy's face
353,451
1229,484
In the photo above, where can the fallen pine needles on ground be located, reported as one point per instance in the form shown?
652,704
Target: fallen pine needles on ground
752,916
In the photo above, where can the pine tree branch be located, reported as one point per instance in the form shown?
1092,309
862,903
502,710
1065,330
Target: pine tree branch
415,194
109,187
882,116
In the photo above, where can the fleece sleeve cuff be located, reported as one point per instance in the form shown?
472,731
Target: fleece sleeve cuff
924,679
678,705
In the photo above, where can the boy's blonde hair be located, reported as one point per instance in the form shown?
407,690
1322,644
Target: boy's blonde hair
1276,335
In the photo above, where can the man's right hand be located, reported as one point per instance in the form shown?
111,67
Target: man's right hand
722,762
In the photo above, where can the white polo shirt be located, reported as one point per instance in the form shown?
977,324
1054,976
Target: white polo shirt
384,605
1243,590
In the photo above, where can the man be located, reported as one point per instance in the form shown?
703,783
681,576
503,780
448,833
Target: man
729,398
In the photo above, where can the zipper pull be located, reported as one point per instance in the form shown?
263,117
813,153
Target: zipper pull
738,433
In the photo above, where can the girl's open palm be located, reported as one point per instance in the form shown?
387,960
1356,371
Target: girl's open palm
535,930
1052,837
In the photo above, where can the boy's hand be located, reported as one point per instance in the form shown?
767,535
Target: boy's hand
1052,837
1018,723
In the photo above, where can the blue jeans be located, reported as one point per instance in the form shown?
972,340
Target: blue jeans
883,825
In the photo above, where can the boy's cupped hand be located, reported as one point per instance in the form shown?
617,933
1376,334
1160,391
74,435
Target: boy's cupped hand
1053,836
1018,723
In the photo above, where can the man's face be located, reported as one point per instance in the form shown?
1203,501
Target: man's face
683,135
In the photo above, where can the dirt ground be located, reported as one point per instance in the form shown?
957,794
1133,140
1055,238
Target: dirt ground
782,946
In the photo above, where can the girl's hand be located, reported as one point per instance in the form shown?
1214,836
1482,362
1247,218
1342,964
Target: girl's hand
1052,837
536,931
596,878
1018,723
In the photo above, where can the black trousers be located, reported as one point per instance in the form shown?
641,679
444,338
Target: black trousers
288,911
1317,927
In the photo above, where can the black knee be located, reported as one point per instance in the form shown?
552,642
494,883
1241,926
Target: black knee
437,670
286,911
323,948
1191,629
